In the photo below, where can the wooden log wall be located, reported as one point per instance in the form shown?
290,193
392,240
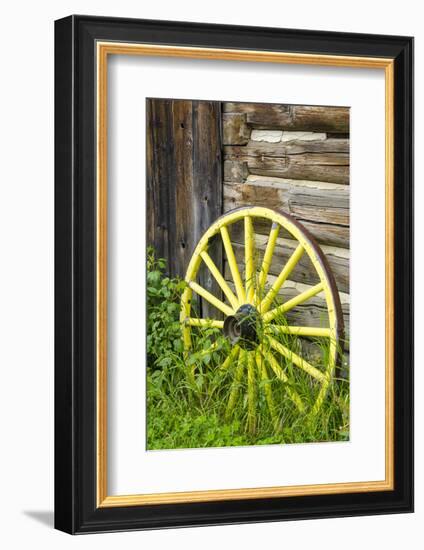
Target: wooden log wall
296,159
205,158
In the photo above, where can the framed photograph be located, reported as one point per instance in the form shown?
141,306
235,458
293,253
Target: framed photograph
234,274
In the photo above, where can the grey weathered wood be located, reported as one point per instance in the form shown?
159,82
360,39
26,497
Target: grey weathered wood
324,233
304,272
158,174
293,117
207,176
235,171
322,208
235,130
326,160
328,119
281,149
299,168
183,232
184,180
283,192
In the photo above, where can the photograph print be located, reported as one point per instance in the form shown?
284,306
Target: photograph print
247,273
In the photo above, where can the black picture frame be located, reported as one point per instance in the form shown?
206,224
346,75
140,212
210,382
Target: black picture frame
76,508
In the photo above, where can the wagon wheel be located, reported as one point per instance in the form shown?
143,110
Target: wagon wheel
255,320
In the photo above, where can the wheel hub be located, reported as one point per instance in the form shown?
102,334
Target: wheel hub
243,327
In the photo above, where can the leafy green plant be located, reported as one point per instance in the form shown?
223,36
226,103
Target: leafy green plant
163,305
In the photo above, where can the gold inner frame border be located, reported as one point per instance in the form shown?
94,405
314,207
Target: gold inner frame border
103,50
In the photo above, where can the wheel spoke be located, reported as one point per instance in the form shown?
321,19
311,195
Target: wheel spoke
301,331
210,298
260,362
231,358
249,245
194,322
251,393
290,304
321,396
220,279
211,349
288,268
200,354
235,273
184,313
330,371
297,360
267,259
236,384
281,375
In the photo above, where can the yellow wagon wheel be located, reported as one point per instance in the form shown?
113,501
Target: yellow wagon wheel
254,316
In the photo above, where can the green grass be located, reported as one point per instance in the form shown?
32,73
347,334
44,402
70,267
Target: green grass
187,397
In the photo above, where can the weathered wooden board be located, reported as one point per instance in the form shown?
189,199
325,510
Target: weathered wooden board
339,147
324,233
235,171
159,148
326,160
299,168
332,200
304,271
333,235
293,117
184,180
322,207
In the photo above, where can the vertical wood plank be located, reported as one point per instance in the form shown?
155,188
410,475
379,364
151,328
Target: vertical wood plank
159,149
208,171
185,222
